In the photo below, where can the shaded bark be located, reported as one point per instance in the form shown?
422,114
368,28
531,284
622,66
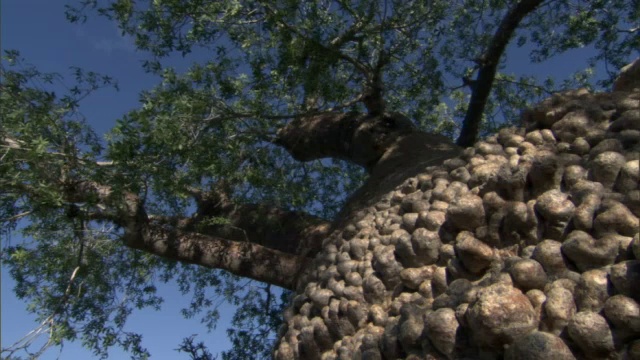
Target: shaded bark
408,156
389,147
259,242
488,64
240,258
287,231
359,139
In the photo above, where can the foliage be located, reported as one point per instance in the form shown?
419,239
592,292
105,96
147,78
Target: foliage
54,148
267,62
197,351
285,57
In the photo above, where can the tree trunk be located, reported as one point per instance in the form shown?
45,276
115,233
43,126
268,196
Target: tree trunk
450,254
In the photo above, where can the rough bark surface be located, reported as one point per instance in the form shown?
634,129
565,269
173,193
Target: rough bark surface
256,241
360,139
524,246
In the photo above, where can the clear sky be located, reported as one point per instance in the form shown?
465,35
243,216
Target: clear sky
39,30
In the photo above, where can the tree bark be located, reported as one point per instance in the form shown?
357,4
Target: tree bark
388,146
488,67
455,261
359,139
260,242
244,259
262,224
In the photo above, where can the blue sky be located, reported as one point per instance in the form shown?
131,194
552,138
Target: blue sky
39,30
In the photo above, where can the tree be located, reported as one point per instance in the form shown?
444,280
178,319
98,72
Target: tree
243,162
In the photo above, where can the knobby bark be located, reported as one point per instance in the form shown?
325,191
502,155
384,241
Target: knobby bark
519,248
488,64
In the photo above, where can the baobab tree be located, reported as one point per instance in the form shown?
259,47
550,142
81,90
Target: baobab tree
299,157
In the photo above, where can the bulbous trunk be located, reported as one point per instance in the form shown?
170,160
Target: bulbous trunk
524,246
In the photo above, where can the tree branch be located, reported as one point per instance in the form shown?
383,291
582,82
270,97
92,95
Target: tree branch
240,258
359,23
254,255
291,232
373,96
360,139
267,250
488,63
288,231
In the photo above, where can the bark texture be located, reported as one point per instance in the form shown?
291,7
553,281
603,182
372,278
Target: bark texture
257,241
524,246
241,258
357,138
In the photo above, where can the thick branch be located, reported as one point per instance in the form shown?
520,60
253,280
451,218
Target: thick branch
293,232
388,146
488,67
186,241
240,258
360,139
